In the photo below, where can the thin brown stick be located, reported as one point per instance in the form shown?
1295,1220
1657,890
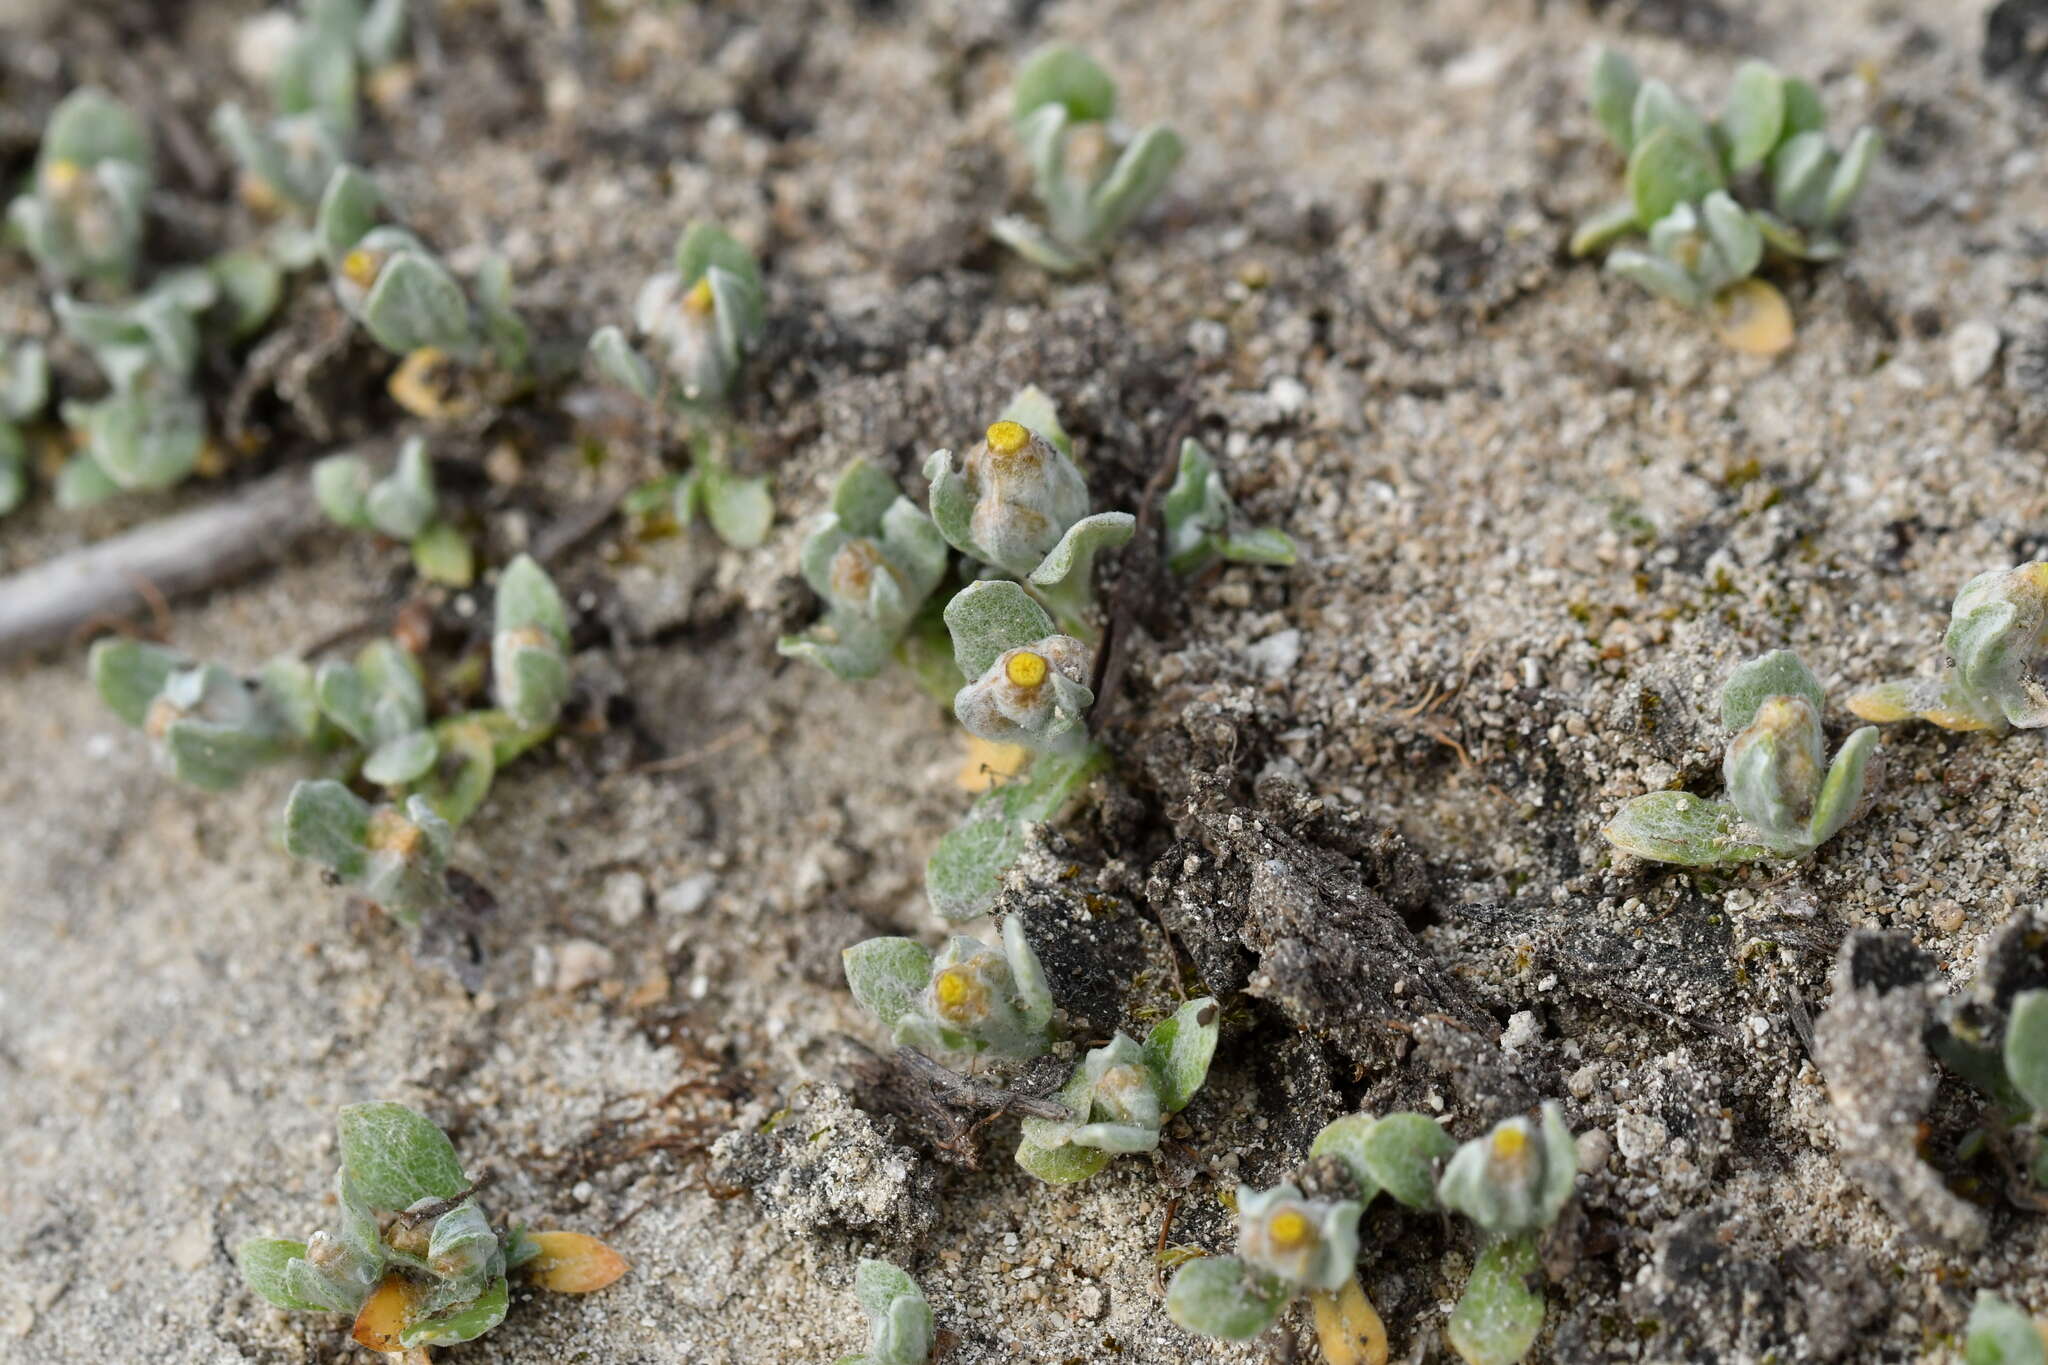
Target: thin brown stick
690,758
204,548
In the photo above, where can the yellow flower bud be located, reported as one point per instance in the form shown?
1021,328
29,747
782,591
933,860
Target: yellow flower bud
1025,669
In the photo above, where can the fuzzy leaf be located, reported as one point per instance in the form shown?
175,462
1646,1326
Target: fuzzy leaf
2000,1334
966,869
1066,1165
251,286
1178,1051
464,1323
416,304
1755,116
887,975
1611,90
1260,545
992,616
402,503
1658,107
465,764
528,599
128,674
1735,235
442,554
89,125
1803,110
1070,565
348,210
862,496
1031,242
2026,1047
1067,77
618,362
1222,1297
1663,278
572,1263
1678,827
326,823
341,485
740,509
264,1263
1403,1151
461,1242
397,1157
400,760
704,245
1776,674
1850,172
1801,169
1498,1317
1670,167
1842,792
1604,228
1136,179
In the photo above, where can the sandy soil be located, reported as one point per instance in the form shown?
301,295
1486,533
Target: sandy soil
1542,516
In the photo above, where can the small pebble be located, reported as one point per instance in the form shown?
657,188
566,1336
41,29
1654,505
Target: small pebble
1972,350
624,897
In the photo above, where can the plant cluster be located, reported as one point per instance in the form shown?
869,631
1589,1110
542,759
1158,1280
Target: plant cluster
368,720
400,505
316,76
1511,1184
416,1263
1204,525
1712,197
698,322
1092,178
1784,800
409,302
1020,632
1994,674
900,1330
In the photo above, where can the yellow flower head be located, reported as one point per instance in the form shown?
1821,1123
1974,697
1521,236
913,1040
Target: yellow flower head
1025,669
1290,1229
360,267
698,300
1007,438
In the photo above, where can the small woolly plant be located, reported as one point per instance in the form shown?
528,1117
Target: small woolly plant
1019,504
872,559
1121,1094
396,857
1020,634
698,322
82,220
1714,197
415,1261
24,391
1511,1183
149,431
1784,798
1203,524
2000,1334
900,1329
287,159
207,727
409,303
1995,670
1091,176
401,505
968,998
369,718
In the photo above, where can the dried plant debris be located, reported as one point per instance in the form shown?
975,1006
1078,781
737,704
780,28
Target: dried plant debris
818,1165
